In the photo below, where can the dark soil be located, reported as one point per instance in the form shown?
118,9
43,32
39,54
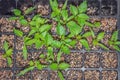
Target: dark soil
8,38
75,60
92,60
6,6
26,76
109,60
74,75
40,75
109,75
3,62
20,62
6,74
54,75
92,75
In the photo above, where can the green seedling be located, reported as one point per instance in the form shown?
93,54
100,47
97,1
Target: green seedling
32,66
113,41
97,39
8,53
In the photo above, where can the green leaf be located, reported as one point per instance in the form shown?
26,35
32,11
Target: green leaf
48,39
65,49
89,24
29,10
63,66
97,24
103,46
50,53
23,22
38,44
117,43
85,44
75,29
54,66
73,43
116,48
53,4
38,65
73,10
13,18
56,44
60,29
42,56
83,16
114,36
60,75
25,52
18,32
100,36
65,5
30,42
9,60
25,71
32,32
83,7
9,52
31,63
64,14
5,45
45,27
87,34
17,12
59,56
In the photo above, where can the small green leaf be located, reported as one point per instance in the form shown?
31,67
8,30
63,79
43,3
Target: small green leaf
9,52
30,42
65,5
60,75
100,36
65,49
87,34
5,45
13,18
59,56
97,24
85,44
64,14
23,22
31,63
25,52
53,4
9,60
83,16
31,32
48,39
83,7
56,44
73,10
38,44
17,12
50,53
63,66
75,29
42,56
103,46
18,32
117,43
39,66
114,36
60,29
25,71
116,48
54,66
45,27
29,10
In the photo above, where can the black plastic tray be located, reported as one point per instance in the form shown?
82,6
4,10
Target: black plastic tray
100,15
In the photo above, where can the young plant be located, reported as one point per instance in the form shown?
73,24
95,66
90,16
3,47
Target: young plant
32,65
8,53
97,39
113,41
